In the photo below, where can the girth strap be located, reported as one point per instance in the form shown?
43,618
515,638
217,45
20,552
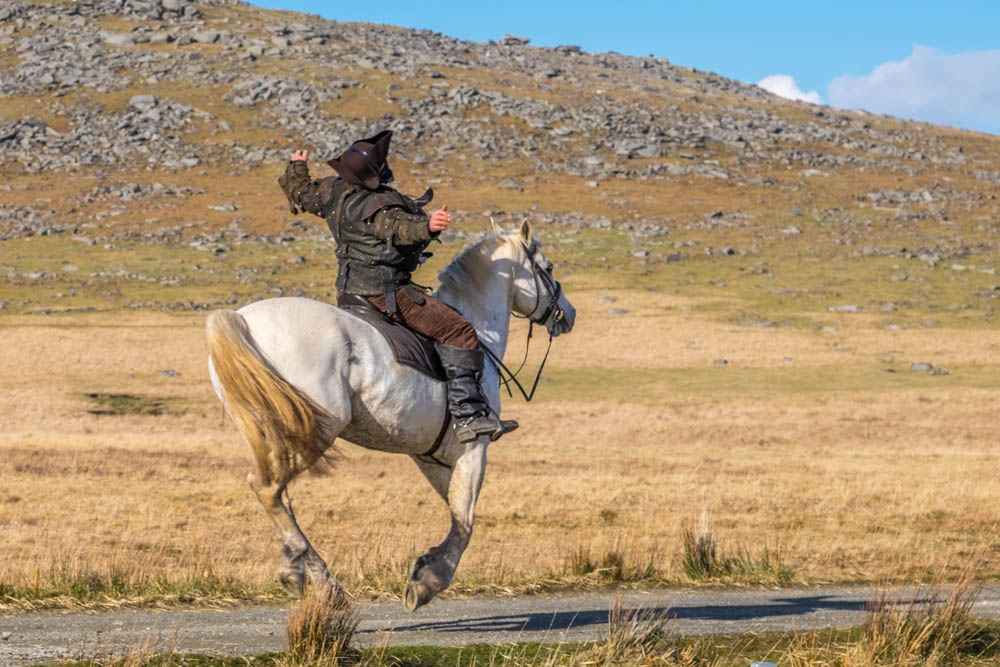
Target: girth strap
428,456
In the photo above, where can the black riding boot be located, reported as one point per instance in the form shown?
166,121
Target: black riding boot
473,418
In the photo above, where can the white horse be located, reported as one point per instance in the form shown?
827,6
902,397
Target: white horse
294,374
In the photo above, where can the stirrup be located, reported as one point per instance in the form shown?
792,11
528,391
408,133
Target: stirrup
506,426
473,428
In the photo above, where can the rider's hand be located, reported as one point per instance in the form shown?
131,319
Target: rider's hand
300,155
440,219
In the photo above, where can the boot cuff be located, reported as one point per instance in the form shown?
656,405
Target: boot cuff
471,360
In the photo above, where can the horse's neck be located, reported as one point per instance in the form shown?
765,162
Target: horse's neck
487,306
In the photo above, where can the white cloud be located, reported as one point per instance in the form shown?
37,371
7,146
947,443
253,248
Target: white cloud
960,89
785,86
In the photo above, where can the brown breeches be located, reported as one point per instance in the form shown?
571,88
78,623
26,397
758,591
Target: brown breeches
431,318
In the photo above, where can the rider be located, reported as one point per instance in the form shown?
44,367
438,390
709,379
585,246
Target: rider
380,235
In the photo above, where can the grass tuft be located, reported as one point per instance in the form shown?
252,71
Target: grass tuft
610,566
929,628
579,562
320,628
702,559
701,551
634,635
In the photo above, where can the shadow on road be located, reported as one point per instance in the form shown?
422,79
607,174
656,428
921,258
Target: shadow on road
564,620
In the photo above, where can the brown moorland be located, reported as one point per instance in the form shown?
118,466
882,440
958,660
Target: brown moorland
797,359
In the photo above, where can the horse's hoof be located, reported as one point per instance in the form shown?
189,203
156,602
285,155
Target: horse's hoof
293,582
413,598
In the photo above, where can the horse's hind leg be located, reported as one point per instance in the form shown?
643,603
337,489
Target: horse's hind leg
298,557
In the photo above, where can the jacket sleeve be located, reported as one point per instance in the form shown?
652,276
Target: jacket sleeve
401,228
300,189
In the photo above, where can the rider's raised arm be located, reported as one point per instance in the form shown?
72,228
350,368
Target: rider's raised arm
402,228
301,191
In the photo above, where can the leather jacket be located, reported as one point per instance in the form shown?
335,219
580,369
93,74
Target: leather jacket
380,234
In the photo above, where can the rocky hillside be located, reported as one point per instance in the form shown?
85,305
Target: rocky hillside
169,119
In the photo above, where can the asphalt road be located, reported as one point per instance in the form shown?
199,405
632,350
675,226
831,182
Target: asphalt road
52,636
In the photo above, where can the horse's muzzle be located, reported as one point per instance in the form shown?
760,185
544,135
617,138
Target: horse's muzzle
561,321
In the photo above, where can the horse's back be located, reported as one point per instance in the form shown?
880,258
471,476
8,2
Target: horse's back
346,365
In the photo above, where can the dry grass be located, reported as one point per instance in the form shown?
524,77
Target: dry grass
320,628
815,434
633,637
927,626
933,627
867,480
704,559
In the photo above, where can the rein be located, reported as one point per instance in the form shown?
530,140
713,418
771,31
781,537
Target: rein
512,377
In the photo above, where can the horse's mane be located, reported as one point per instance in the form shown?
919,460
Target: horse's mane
468,269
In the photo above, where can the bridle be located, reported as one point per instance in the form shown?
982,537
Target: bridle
552,286
552,311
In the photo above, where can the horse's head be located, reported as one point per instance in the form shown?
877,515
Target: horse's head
537,294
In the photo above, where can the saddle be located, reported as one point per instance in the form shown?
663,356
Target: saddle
408,347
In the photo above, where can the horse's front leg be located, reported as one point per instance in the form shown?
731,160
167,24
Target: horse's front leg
433,571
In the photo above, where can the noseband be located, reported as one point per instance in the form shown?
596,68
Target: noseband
552,286
551,312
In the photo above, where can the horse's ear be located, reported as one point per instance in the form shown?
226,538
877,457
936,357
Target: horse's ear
496,227
526,232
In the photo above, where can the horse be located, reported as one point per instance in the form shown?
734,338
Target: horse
294,374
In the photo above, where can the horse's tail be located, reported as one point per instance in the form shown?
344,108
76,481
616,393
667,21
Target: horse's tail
287,431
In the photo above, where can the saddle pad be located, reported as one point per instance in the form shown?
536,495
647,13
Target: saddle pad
410,348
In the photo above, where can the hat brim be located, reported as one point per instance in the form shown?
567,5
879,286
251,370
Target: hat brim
348,174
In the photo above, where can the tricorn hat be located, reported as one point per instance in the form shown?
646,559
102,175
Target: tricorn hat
364,161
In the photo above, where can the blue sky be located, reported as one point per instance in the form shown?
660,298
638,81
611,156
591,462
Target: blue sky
934,61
